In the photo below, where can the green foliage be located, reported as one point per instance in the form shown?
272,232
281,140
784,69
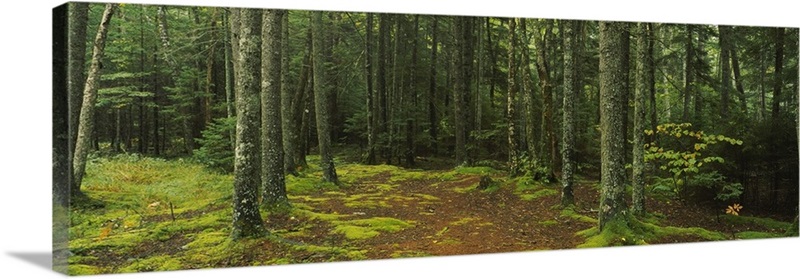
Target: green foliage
216,150
687,158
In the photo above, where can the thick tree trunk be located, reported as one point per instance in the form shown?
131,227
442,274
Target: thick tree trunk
272,169
568,117
321,93
247,220
513,157
643,84
543,69
612,140
533,107
87,119
77,21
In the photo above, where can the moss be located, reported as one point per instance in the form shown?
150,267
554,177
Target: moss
569,212
631,231
157,263
548,223
538,194
82,269
461,171
307,185
768,223
757,235
371,227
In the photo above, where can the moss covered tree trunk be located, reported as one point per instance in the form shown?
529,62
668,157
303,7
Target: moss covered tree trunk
321,93
612,139
247,220
86,121
643,83
272,170
513,156
568,117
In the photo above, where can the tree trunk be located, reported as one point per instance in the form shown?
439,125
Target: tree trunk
612,140
432,115
300,110
411,107
87,119
369,157
546,86
737,73
321,93
568,120
459,90
643,84
688,87
247,220
778,83
725,61
533,107
650,65
188,138
513,157
77,21
230,110
382,94
289,136
272,170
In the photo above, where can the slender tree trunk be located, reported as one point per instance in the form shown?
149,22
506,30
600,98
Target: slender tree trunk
725,61
778,81
382,94
737,73
643,82
163,29
247,220
321,93
612,140
87,118
272,156
432,115
652,76
513,157
762,97
230,110
411,112
533,107
369,157
210,61
568,117
300,110
546,86
688,87
459,90
287,103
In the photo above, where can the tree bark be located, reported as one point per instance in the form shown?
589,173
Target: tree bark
513,157
272,156
568,117
543,69
87,118
287,103
612,140
688,87
643,85
778,83
247,220
432,114
77,21
725,61
321,93
533,107
369,157
459,90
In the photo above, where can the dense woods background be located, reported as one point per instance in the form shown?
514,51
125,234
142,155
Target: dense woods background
705,114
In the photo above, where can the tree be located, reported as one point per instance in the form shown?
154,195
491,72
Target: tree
321,93
460,89
513,158
568,122
370,157
689,72
87,116
272,156
546,85
725,61
247,220
643,84
176,75
432,114
612,140
778,83
287,104
76,52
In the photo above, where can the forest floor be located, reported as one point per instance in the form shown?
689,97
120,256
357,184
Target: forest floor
148,214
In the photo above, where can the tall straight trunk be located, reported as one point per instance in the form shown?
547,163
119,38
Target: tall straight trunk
725,61
321,93
737,72
533,107
287,103
762,97
247,220
643,84
478,101
230,110
778,80
543,69
210,62
612,140
651,35
300,110
382,92
568,116
432,115
688,87
493,63
77,21
459,90
273,179
369,157
410,112
87,118
513,157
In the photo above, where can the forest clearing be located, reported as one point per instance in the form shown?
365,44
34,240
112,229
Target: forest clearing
201,137
156,215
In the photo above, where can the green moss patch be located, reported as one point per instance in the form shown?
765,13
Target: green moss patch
371,227
767,223
630,231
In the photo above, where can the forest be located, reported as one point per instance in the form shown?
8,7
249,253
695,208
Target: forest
200,137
